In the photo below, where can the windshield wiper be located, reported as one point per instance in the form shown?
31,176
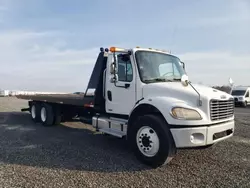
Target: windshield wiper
158,80
177,79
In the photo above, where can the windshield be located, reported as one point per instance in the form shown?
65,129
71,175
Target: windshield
238,92
158,67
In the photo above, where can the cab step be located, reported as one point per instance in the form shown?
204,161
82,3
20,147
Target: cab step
113,132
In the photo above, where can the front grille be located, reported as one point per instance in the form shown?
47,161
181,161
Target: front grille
221,109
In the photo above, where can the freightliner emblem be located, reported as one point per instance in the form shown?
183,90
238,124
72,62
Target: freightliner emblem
223,96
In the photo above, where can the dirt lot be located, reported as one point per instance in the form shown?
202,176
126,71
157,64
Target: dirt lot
35,156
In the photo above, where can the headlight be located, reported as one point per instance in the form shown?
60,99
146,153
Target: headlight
240,98
185,113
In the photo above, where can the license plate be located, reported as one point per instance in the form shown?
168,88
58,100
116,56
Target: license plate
222,134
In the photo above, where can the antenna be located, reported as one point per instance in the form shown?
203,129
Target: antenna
231,83
172,38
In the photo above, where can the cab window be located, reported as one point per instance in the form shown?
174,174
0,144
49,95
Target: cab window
125,71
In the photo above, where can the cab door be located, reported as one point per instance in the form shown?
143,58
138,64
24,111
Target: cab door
121,95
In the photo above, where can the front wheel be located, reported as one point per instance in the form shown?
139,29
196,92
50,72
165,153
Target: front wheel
152,141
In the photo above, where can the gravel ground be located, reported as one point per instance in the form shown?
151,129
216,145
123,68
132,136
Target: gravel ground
72,155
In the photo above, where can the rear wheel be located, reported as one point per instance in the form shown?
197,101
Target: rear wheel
152,141
35,112
47,115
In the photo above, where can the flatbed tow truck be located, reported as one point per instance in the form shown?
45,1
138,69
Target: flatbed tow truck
144,96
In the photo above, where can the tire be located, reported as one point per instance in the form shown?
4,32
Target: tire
150,129
47,115
35,112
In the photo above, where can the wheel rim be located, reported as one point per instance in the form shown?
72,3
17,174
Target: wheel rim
33,112
147,141
43,114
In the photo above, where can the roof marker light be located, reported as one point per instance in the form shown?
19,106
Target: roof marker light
115,49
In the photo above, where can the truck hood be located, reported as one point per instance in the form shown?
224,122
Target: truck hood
178,92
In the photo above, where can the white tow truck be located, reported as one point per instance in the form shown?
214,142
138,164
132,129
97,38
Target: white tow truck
143,95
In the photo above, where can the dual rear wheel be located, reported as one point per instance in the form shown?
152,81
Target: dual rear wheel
45,114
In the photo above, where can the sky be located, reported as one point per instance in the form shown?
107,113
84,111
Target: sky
52,45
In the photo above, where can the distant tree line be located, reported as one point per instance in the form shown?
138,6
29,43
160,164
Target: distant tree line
226,89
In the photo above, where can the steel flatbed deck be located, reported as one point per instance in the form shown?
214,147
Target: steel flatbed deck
68,99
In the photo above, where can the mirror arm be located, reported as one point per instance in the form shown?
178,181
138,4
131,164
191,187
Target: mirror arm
186,82
199,99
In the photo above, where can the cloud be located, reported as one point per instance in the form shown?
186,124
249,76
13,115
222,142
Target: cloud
45,62
215,67
41,61
216,14
212,38
4,8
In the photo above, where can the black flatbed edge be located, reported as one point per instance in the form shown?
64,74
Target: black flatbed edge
93,97
69,99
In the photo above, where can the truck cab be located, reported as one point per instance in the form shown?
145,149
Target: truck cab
151,90
241,95
132,77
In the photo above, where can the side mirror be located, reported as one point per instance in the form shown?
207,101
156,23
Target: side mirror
184,80
114,78
114,65
183,65
113,68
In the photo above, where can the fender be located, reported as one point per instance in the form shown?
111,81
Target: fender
162,105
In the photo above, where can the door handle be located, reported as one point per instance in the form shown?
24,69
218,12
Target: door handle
126,85
123,86
109,95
